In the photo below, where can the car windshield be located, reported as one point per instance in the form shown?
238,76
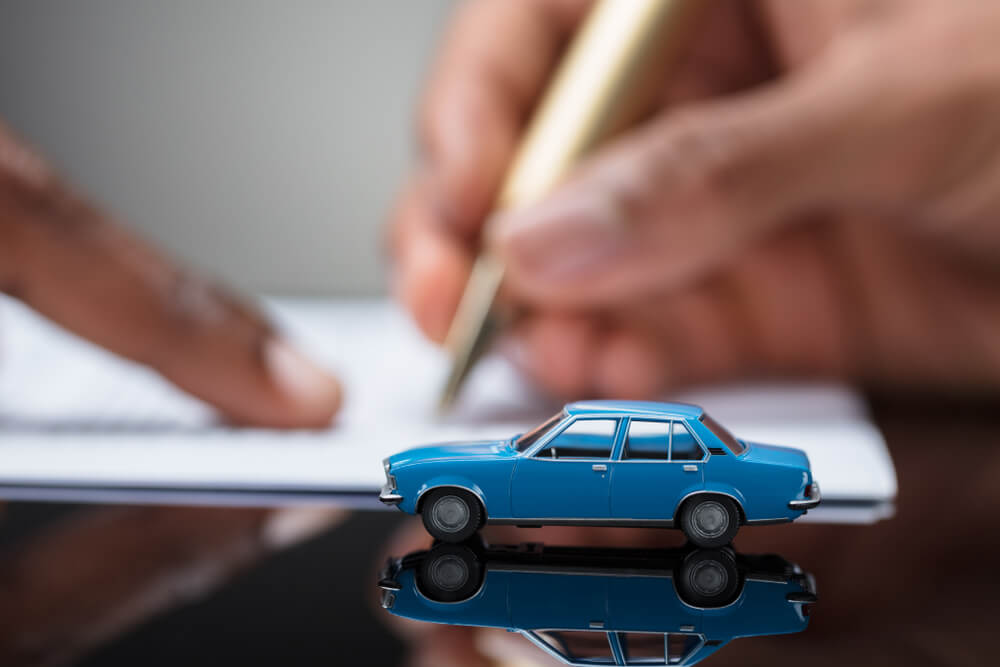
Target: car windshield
734,445
523,442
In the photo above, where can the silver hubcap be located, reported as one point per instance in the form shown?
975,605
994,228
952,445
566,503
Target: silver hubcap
450,514
710,519
709,578
449,573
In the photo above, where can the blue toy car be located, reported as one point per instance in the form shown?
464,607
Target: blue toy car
605,463
604,606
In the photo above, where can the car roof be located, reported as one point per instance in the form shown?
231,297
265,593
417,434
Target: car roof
637,408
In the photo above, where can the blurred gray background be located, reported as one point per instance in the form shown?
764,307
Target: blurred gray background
259,141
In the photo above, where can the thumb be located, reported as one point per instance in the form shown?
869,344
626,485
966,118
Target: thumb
672,200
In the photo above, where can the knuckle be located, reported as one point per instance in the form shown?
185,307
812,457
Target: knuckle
21,167
198,315
191,302
708,153
700,166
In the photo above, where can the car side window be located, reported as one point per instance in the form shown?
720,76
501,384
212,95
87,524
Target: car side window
681,646
580,646
683,446
583,439
647,440
643,648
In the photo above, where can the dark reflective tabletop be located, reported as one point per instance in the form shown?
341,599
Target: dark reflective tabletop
921,588
603,605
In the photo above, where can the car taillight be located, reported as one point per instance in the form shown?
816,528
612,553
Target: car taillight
807,492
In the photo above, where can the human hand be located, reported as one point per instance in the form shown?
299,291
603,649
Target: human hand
814,199
73,264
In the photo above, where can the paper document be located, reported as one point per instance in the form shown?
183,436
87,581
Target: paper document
79,424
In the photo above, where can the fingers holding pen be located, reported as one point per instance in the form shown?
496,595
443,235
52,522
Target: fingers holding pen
684,195
670,207
495,59
779,311
671,201
430,264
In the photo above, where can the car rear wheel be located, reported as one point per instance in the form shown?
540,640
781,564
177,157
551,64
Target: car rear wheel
451,515
710,521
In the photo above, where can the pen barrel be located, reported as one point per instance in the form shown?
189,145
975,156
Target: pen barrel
611,76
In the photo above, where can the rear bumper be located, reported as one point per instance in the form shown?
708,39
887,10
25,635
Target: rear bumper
807,503
389,496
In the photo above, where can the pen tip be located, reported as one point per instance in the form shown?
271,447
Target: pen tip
462,365
473,327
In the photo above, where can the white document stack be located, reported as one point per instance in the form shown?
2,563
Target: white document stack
77,424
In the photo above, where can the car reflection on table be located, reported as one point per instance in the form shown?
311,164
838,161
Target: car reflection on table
603,606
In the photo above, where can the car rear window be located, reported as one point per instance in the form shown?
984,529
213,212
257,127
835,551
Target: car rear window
734,445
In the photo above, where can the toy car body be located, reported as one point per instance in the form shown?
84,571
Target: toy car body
586,606
606,463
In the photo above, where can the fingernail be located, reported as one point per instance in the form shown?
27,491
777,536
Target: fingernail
428,286
564,237
316,393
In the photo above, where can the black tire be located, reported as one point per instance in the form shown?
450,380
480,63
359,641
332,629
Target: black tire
708,578
451,515
450,573
710,521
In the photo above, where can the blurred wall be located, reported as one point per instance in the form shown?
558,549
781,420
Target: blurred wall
260,141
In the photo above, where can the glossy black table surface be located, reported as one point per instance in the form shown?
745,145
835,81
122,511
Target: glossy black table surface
921,588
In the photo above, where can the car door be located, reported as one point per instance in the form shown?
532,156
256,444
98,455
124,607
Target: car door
568,477
557,599
660,463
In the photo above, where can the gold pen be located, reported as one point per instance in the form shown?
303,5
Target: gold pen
606,81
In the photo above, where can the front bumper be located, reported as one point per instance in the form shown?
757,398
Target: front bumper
388,583
389,496
807,503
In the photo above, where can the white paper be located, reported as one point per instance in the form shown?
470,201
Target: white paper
77,423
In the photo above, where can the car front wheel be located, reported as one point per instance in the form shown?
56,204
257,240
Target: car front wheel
710,521
450,573
451,515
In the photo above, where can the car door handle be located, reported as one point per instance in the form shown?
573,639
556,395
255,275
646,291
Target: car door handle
690,468
599,467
